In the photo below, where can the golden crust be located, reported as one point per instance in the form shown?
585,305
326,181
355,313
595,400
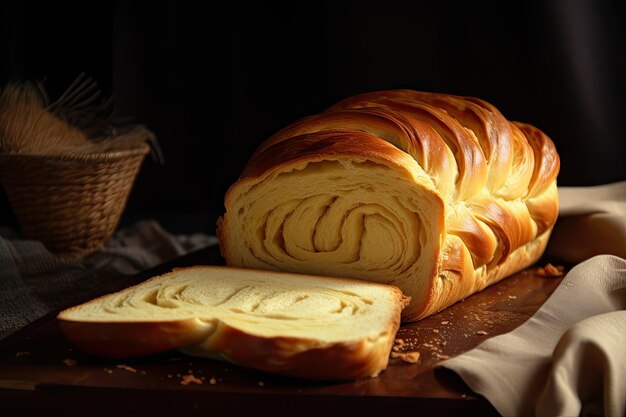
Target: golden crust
307,359
458,279
130,339
322,145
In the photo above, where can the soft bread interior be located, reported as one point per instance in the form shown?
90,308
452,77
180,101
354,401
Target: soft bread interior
259,303
355,218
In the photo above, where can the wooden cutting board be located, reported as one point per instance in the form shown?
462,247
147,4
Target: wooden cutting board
41,374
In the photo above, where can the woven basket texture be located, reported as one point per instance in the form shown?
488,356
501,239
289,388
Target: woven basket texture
72,204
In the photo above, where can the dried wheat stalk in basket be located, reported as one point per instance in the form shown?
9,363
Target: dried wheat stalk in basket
66,168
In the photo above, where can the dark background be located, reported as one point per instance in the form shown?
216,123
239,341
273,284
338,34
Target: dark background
214,81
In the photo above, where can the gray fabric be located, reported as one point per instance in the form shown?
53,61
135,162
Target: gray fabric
34,282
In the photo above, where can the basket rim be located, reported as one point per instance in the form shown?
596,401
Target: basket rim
118,154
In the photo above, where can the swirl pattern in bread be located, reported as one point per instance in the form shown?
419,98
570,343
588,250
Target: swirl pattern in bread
301,326
440,195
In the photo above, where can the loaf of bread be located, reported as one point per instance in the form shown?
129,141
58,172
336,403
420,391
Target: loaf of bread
301,326
437,194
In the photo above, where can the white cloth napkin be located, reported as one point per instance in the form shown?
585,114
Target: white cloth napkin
569,358
592,221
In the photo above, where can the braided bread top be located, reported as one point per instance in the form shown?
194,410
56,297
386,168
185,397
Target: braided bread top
497,177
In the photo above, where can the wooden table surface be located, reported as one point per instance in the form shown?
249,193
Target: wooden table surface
40,373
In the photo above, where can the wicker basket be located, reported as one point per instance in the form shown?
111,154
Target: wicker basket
70,203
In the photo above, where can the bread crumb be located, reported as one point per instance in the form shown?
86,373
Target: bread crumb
442,356
445,322
482,333
127,368
212,381
70,362
550,271
435,331
18,354
399,342
261,384
395,348
513,297
410,357
109,371
189,378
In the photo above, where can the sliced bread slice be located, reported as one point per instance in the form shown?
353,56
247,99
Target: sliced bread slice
297,325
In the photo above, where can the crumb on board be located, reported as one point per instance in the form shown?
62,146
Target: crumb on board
513,297
399,342
445,322
410,357
19,354
435,331
69,362
212,381
442,356
127,368
261,384
190,378
550,270
482,333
